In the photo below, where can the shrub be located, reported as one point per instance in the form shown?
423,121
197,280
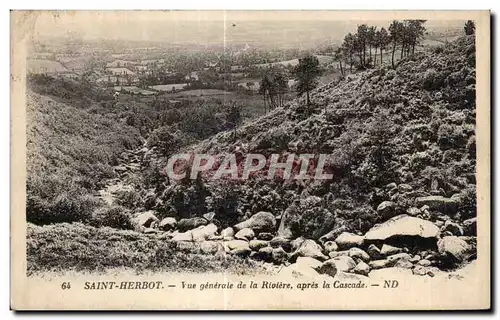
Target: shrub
116,217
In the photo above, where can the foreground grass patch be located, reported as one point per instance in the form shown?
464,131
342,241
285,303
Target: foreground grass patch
77,247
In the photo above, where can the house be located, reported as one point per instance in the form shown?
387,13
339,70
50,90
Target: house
120,71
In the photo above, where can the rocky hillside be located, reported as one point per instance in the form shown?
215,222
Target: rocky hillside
402,150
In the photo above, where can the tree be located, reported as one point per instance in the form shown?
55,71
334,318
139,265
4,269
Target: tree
469,27
348,47
395,30
363,39
383,41
338,57
370,39
306,74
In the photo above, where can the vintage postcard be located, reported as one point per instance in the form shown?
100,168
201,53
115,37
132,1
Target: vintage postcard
250,160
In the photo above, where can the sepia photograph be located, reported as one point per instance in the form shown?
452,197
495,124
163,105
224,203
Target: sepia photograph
250,160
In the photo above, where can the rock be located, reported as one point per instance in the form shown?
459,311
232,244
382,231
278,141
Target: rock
167,224
425,271
209,216
362,268
144,219
387,209
405,188
209,247
297,243
357,253
413,211
279,255
332,235
265,254
470,227
150,231
281,242
424,263
453,247
402,225
265,236
190,223
439,223
188,246
388,250
256,245
216,238
374,252
184,236
397,257
348,240
259,222
391,186
245,234
299,270
228,232
236,244
446,234
328,267
334,254
202,233
330,246
439,203
242,252
308,248
308,262
379,264
454,228
343,263
415,259
405,264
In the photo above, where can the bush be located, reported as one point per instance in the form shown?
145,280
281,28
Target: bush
432,80
116,217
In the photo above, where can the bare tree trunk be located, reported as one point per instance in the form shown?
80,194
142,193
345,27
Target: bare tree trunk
375,59
381,57
307,95
393,51
341,70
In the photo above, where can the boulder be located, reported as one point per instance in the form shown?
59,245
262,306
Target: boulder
362,268
202,233
144,219
209,216
402,225
228,232
308,262
265,236
388,250
425,271
299,270
330,246
454,228
256,245
265,254
209,247
245,234
416,258
413,211
241,252
470,227
309,248
334,254
357,253
259,222
393,259
387,209
167,224
374,252
404,264
150,231
296,243
453,247
281,242
344,263
379,264
347,240
332,235
184,236
328,267
439,203
236,244
279,255
190,223
424,263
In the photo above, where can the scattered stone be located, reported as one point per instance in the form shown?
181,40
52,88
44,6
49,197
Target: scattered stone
453,247
402,225
425,271
470,227
348,240
413,211
405,264
228,232
379,264
309,262
203,232
330,246
256,245
454,228
245,234
439,223
260,222
405,188
281,242
374,252
397,257
150,231
299,270
279,255
167,224
334,254
424,263
343,263
266,254
184,236
415,259
209,216
362,268
387,209
216,238
332,235
439,203
328,267
357,253
242,252
308,248
144,219
191,223
265,236
388,250
236,244
209,247
297,243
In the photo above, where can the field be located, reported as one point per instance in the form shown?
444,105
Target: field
135,90
44,66
169,87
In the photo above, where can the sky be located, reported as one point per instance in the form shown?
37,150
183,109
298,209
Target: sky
261,28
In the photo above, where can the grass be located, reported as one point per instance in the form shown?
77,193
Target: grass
81,248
